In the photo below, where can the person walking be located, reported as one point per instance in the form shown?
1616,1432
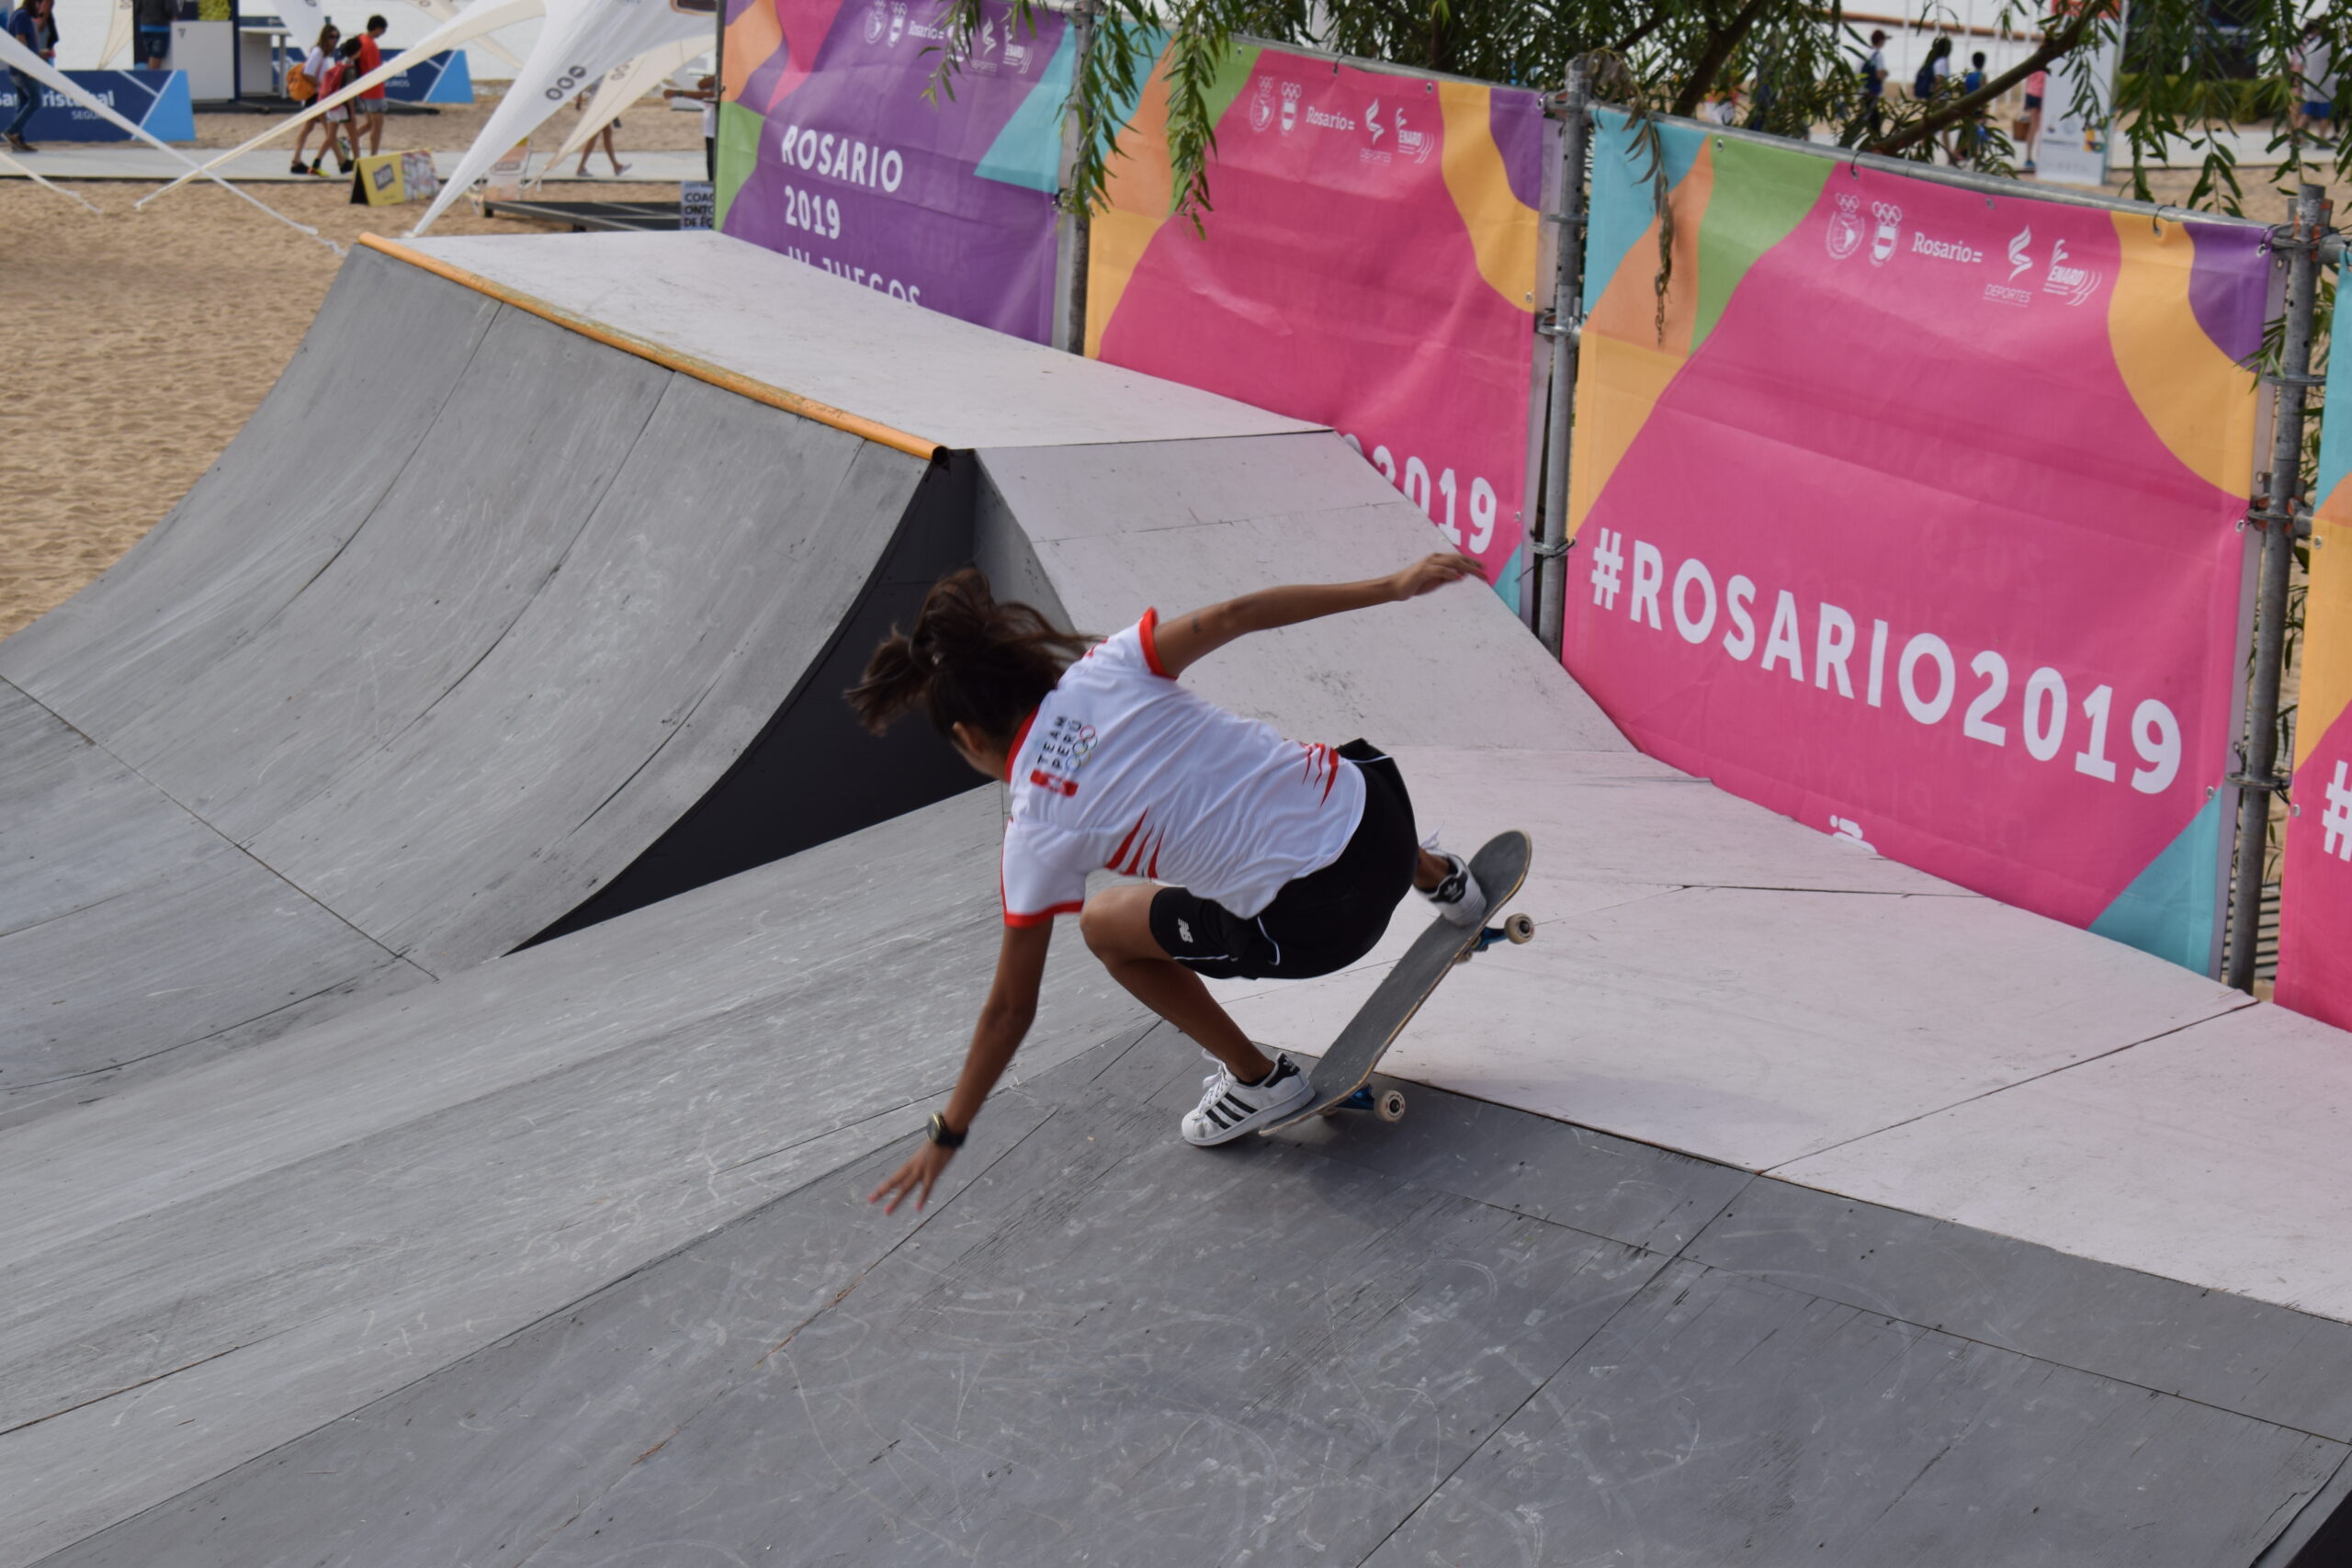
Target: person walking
2312,105
1266,858
1874,76
153,19
2030,124
339,71
579,105
316,67
33,24
368,108
1967,142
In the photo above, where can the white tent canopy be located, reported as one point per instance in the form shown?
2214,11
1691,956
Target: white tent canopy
472,22
582,41
623,86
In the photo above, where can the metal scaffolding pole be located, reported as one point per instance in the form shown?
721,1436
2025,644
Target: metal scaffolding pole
2282,514
1567,318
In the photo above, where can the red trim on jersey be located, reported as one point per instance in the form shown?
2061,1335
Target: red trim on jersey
1020,738
1147,631
1044,917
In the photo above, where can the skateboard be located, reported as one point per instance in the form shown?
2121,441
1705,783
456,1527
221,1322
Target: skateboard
1339,1079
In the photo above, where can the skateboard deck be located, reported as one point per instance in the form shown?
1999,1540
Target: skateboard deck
1338,1080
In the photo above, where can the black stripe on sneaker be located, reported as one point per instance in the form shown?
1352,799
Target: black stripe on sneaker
1210,1113
1235,1109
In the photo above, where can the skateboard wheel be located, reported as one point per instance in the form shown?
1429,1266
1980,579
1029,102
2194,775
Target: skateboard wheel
1519,928
1390,1105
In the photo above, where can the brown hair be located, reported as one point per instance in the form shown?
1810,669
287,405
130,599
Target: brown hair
968,661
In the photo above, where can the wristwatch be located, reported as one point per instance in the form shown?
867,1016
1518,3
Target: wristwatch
946,1137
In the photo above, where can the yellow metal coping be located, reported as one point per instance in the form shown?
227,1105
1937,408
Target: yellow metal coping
685,364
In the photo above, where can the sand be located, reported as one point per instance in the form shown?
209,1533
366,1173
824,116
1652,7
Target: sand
139,343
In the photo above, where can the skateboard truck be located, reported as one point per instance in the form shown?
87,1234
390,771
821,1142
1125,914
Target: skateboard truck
1388,1104
1516,928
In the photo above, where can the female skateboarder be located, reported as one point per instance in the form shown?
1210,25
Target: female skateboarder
1263,857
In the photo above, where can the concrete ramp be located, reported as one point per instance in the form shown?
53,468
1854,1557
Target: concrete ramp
1777,1205
471,615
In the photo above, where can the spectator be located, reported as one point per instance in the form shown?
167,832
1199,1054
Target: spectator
368,108
316,67
339,71
2030,124
1934,70
1874,85
154,19
705,92
31,25
2314,68
1968,142
580,105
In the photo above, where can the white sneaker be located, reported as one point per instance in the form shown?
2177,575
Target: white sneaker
1457,896
1229,1108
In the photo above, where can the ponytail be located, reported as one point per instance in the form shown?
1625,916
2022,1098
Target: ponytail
968,661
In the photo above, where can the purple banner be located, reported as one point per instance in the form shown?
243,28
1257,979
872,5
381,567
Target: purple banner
830,153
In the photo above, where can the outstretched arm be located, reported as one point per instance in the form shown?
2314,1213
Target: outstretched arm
1184,639
1004,1020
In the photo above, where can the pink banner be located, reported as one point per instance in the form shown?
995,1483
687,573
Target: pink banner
1369,262
1914,516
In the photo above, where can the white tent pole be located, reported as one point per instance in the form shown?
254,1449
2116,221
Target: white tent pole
478,19
16,57
34,175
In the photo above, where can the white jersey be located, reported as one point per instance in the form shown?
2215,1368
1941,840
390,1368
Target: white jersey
1123,769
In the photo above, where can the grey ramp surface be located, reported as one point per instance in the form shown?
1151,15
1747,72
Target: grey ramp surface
1117,529
205,1267
317,739
800,328
1476,1337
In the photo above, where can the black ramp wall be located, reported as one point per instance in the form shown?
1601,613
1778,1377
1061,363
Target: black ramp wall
475,610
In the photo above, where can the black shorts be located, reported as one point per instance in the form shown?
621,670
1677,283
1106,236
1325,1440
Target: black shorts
1318,923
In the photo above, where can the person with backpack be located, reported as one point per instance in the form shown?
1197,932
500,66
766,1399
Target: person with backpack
1934,70
1263,858
368,108
1967,144
306,83
340,73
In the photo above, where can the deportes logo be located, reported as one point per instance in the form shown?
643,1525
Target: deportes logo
1372,122
2020,257
1845,230
1883,238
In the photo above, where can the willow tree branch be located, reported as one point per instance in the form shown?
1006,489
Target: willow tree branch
2051,49
1718,54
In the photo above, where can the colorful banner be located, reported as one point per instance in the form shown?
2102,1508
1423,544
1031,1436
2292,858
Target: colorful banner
155,101
2315,877
1912,511
830,153
1369,262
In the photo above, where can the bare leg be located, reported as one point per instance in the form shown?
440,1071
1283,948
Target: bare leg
1117,926
1430,870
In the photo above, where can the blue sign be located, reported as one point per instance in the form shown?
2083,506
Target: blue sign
155,101
437,79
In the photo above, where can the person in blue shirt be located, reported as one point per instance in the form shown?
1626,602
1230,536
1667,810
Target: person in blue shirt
33,24
1874,74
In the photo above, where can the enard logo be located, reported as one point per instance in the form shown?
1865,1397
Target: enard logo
1845,230
2074,284
1885,236
1261,105
1415,144
2020,257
